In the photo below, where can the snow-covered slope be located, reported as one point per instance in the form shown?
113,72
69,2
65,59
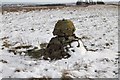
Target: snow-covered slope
96,25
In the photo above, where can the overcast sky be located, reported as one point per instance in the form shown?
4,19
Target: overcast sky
53,1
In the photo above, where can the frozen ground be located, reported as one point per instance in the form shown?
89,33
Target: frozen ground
96,25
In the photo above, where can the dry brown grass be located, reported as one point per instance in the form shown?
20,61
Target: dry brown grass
27,9
32,8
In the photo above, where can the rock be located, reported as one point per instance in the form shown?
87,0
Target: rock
64,28
59,46
55,48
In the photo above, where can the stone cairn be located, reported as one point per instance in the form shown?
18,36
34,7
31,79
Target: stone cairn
58,47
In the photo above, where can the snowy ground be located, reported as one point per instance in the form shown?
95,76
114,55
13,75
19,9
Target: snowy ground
96,25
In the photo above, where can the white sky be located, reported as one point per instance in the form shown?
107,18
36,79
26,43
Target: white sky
53,1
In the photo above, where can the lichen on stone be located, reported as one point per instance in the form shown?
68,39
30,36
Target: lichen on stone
58,48
64,28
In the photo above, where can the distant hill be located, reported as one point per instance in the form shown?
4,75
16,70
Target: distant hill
18,4
113,3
